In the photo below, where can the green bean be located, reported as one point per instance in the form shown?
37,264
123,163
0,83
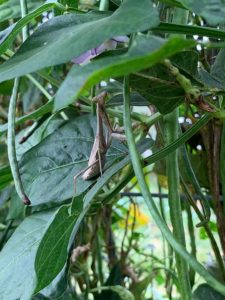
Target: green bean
12,145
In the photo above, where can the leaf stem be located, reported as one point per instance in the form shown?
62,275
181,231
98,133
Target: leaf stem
39,86
24,12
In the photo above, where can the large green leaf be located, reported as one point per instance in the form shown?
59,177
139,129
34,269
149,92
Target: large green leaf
213,11
48,169
144,52
17,274
59,40
159,87
58,286
45,129
7,35
53,250
187,61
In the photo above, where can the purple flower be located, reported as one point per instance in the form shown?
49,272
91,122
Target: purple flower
108,45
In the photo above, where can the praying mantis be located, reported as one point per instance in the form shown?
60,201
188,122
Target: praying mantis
102,143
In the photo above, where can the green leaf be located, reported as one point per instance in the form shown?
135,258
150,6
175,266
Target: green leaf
211,10
16,207
9,34
53,250
218,67
58,286
210,81
158,87
216,77
6,87
58,239
202,233
17,274
59,35
5,176
46,128
187,61
11,9
48,169
144,52
204,291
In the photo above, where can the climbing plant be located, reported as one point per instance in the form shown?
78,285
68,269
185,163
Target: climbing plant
111,120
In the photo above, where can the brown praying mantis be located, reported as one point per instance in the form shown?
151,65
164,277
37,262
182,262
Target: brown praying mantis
101,142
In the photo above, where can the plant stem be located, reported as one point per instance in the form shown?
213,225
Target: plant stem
24,12
134,155
191,232
222,165
99,259
39,86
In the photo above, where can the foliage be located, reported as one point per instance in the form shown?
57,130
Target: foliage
159,66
